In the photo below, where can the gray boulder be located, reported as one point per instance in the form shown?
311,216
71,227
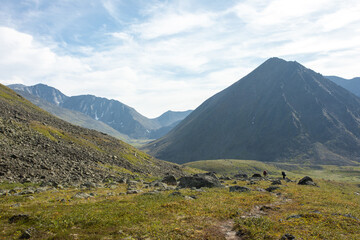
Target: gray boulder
276,182
239,189
307,181
169,180
256,175
200,180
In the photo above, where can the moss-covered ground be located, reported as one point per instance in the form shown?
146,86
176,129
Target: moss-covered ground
330,211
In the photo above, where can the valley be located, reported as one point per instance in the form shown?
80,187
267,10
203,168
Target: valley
73,178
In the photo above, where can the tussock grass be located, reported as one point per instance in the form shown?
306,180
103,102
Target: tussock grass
162,216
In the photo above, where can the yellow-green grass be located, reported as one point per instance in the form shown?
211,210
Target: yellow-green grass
229,167
162,216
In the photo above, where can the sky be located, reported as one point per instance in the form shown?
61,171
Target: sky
170,55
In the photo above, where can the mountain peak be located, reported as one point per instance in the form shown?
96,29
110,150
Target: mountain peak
281,111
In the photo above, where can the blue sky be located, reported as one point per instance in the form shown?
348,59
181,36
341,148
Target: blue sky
161,55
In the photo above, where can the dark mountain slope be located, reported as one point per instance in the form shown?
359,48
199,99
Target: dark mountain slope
281,111
170,117
35,145
353,85
50,94
114,113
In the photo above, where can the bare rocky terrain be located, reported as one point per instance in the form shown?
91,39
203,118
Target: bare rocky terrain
36,146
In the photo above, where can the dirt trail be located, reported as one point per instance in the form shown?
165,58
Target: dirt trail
227,226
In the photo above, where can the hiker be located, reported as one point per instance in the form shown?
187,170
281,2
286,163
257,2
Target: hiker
264,173
283,174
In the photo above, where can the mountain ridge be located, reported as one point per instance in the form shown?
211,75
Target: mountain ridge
117,115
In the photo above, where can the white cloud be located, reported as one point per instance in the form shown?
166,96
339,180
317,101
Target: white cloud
26,60
172,23
172,56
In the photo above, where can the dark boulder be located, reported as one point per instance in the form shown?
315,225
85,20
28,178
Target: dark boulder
287,236
169,180
256,175
199,181
276,182
241,175
19,217
307,181
272,188
239,189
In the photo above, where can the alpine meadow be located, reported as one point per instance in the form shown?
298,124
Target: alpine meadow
180,119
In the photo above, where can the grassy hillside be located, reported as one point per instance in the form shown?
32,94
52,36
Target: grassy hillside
230,167
36,146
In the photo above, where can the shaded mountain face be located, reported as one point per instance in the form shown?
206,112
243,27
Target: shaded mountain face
36,146
281,111
117,115
353,85
73,117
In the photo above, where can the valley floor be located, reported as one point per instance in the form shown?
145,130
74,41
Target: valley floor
329,211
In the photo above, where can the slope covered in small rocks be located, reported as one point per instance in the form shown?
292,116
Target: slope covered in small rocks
36,146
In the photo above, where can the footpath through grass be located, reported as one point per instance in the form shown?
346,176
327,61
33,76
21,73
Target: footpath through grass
330,211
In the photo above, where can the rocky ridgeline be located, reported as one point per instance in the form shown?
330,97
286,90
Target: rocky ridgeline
38,147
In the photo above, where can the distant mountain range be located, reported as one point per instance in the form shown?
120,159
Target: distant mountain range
118,116
281,111
37,147
353,85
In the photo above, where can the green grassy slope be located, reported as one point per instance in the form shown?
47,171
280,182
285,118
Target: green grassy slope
230,167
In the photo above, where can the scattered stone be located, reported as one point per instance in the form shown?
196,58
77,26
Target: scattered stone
26,192
240,175
307,181
225,178
134,191
19,217
287,236
16,205
81,195
88,185
12,191
175,194
256,175
295,216
272,188
199,181
260,189
265,208
169,180
276,182
151,193
3,192
239,189
41,189
251,183
190,197
346,215
288,180
26,234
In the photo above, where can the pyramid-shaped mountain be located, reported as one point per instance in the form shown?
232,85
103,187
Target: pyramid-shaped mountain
281,111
